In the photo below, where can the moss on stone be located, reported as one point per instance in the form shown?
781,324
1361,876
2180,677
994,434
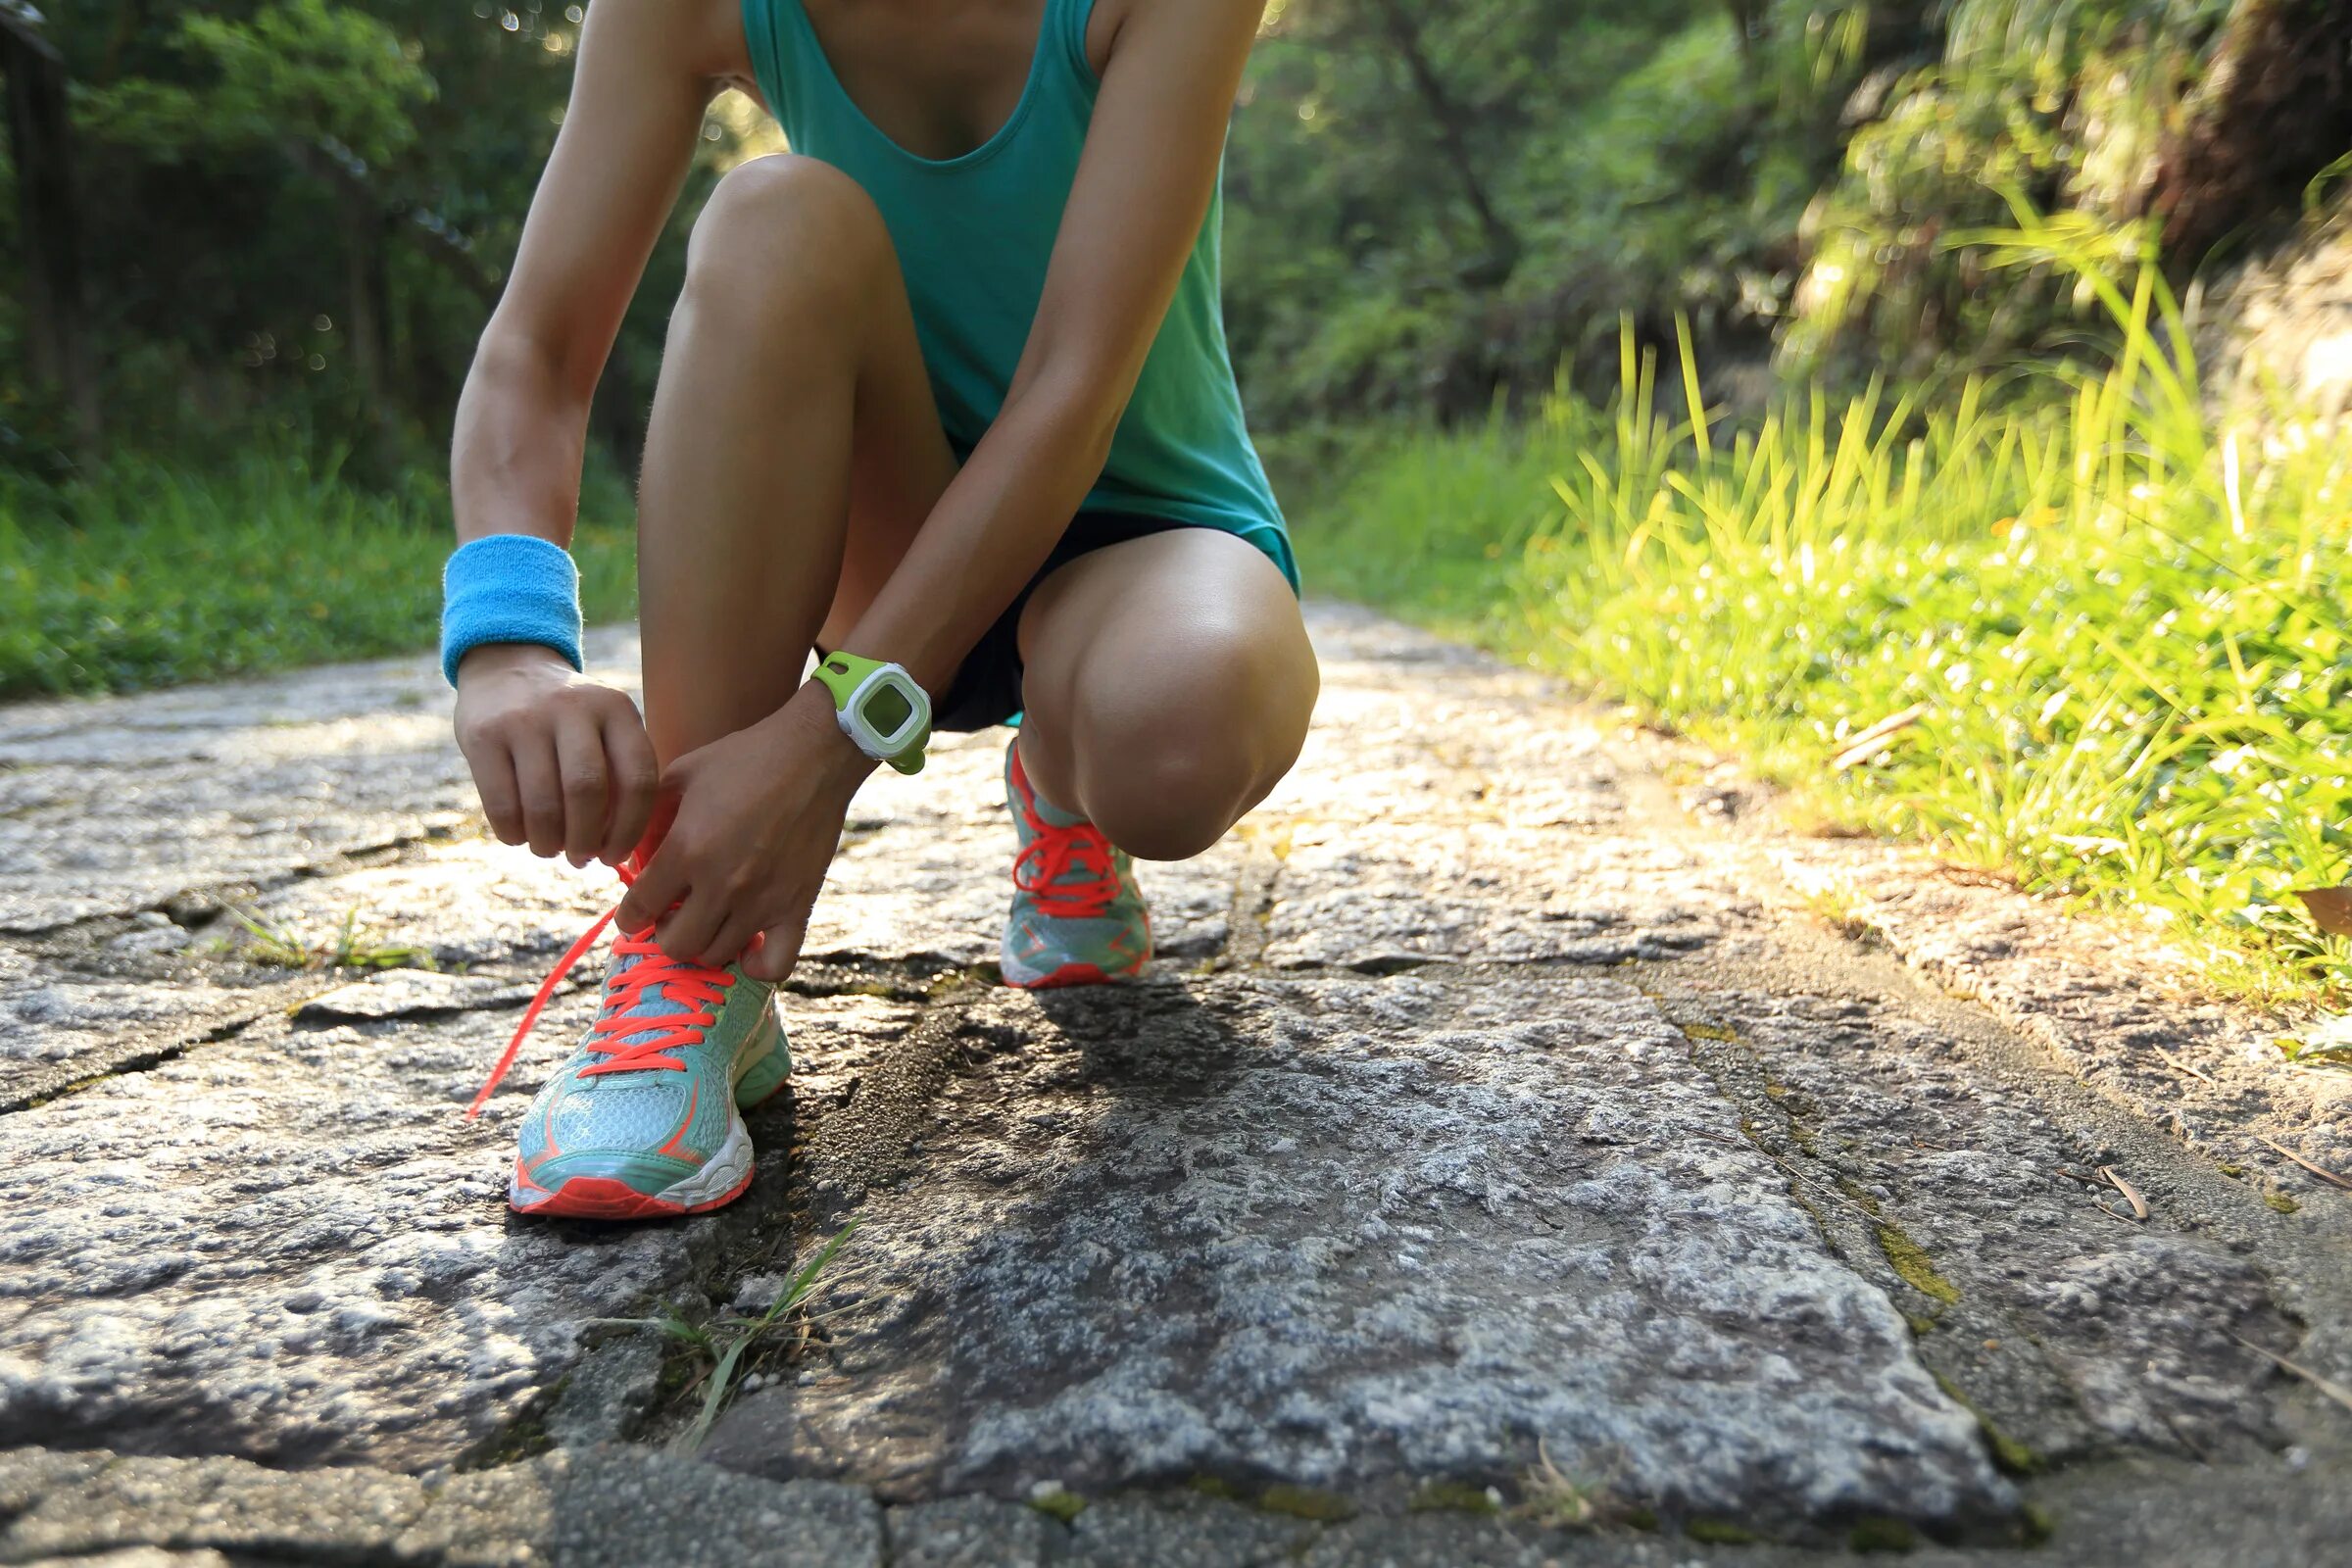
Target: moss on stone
2008,1454
1911,1262
1063,1505
2035,1523
1305,1503
1451,1496
2281,1203
1719,1533
1643,1519
525,1438
1921,1327
1709,1031
1218,1486
1860,1195
1880,1534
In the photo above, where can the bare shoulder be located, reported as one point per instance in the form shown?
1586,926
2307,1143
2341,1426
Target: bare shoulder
1115,21
701,38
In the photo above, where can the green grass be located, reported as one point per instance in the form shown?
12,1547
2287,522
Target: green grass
347,946
150,574
725,1341
2122,630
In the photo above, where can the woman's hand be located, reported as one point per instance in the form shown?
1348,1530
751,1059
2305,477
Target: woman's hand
758,817
562,762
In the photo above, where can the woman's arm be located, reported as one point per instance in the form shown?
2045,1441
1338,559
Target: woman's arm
646,71
561,763
1143,186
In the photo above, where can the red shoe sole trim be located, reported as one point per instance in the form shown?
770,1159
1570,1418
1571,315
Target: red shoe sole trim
1070,974
602,1197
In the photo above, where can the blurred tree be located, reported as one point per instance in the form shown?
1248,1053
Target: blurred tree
309,205
329,87
39,137
1431,206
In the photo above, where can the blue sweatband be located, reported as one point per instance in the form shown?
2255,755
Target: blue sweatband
508,588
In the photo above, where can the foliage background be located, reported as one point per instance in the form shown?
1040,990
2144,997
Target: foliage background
296,213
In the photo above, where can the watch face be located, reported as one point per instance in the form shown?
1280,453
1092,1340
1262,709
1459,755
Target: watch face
887,709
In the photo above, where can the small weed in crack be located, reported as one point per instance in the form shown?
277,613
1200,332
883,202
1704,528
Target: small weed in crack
726,1340
349,947
1551,1498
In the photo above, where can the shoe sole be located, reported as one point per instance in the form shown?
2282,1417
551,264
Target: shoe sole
609,1198
1069,974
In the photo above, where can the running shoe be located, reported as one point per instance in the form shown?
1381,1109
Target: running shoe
645,1120
1077,916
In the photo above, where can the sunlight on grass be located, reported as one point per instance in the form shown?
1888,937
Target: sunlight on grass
147,574
348,946
2111,631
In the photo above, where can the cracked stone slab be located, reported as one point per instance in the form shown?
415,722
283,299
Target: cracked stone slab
2106,1000
51,1015
1401,754
969,1532
1187,1531
1344,1232
291,1247
218,1503
588,1508
2075,1331
1357,1235
1380,897
407,994
466,905
112,806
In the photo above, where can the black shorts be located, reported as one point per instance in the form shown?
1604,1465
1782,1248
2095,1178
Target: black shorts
987,688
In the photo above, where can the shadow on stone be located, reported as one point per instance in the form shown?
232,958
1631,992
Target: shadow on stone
1355,1237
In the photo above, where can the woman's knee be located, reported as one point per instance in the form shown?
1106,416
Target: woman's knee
783,232
1172,756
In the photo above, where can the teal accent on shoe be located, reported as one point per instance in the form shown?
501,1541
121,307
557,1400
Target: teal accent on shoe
1078,917
763,1071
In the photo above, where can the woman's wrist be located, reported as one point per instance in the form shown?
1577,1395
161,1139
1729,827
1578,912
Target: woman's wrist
807,720
495,658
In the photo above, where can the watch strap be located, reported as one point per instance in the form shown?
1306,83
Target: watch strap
844,674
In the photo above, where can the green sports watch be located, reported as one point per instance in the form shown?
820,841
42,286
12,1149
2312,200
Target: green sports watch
879,706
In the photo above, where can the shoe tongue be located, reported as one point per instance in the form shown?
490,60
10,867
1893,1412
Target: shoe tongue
650,1003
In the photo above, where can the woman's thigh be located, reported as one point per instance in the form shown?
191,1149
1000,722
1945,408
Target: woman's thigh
794,447
1168,683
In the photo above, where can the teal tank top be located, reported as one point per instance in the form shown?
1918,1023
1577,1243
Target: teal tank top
973,234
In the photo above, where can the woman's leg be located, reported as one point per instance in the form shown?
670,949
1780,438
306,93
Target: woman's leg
1168,683
794,448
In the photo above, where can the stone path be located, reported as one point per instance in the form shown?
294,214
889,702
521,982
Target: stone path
1503,1111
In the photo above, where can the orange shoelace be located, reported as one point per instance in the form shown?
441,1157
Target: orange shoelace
1059,853
627,1044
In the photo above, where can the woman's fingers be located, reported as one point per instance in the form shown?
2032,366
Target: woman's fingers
493,767
778,951
540,784
636,783
659,885
586,784
733,938
686,932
